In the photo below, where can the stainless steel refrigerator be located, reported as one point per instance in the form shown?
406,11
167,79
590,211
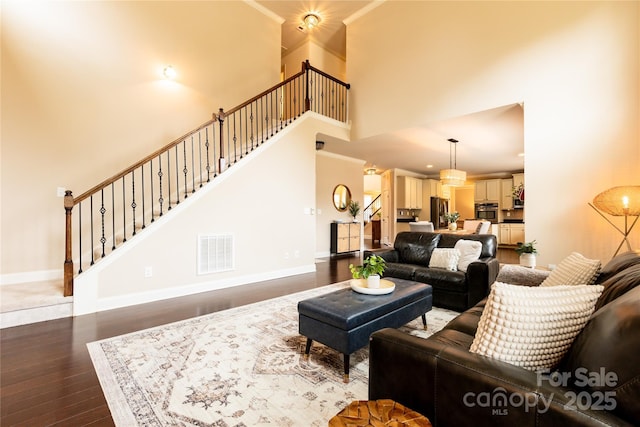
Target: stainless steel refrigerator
439,207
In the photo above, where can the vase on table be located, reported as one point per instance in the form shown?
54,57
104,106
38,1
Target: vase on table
453,226
528,260
373,281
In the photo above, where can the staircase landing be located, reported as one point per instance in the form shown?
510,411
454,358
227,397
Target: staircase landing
26,303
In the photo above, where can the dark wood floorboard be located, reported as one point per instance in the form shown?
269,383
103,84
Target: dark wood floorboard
46,374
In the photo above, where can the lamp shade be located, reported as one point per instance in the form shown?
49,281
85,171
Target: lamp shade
619,201
453,177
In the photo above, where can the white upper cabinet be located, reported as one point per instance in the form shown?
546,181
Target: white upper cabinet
487,191
409,192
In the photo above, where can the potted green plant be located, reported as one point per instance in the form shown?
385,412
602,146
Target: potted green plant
527,252
354,209
451,218
371,269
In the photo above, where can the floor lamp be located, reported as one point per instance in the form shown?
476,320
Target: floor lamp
619,201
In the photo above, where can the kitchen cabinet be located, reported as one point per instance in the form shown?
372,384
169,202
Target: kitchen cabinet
518,179
409,194
487,191
511,234
433,188
506,194
345,237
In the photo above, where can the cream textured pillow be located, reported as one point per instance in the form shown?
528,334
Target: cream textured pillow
470,251
445,258
574,270
533,327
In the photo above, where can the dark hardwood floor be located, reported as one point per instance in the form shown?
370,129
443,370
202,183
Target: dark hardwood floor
46,374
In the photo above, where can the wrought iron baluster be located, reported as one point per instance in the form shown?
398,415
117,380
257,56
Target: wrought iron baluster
193,168
215,155
271,125
124,213
80,237
185,171
92,244
251,128
206,145
160,198
200,155
235,133
103,239
153,203
133,202
265,112
143,198
177,179
169,179
113,217
246,132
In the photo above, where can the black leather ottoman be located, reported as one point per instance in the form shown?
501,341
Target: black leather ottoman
344,320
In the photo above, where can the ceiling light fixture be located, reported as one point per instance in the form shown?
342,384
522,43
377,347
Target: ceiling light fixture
311,20
452,176
169,72
371,170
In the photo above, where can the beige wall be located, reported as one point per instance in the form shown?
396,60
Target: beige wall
574,65
331,170
464,203
83,97
318,57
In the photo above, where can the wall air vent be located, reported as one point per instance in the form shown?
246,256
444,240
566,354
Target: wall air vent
215,253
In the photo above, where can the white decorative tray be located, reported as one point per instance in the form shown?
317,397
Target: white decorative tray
360,285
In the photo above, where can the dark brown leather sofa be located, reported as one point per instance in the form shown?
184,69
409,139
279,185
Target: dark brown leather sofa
454,290
596,384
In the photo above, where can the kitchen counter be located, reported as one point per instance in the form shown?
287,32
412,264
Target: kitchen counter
406,220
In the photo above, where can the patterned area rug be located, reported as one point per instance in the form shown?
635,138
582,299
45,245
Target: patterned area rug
241,367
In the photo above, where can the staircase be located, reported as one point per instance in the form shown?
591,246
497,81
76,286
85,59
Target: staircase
26,303
372,209
103,218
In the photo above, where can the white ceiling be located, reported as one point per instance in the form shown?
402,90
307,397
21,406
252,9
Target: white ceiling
330,33
490,144
489,141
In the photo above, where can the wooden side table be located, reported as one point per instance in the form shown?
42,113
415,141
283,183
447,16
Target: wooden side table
375,413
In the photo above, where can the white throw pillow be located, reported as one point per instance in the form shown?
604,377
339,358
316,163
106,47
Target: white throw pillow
573,270
470,251
445,258
533,327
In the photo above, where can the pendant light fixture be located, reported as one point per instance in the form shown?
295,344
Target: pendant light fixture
452,176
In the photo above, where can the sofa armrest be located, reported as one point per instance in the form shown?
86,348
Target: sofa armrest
441,379
389,255
480,276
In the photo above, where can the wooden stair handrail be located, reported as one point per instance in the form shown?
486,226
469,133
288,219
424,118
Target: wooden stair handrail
139,163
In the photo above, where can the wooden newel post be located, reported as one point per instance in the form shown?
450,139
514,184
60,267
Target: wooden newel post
68,255
307,100
222,165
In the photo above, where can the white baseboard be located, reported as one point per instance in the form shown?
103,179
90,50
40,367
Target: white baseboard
162,294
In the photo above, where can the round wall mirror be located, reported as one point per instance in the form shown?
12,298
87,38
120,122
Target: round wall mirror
341,197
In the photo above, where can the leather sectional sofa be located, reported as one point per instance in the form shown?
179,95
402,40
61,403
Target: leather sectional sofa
597,383
454,290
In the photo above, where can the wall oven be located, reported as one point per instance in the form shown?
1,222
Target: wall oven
487,212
